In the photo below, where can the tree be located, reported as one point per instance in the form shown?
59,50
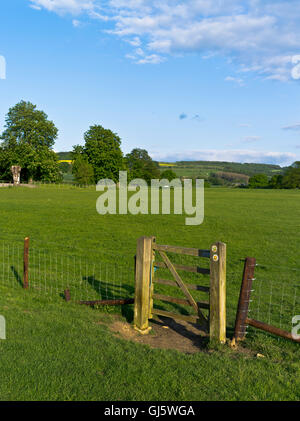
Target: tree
168,174
83,171
276,181
141,165
258,181
27,141
65,167
103,152
215,180
291,178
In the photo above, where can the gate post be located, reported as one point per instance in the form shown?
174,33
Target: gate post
217,311
142,284
152,270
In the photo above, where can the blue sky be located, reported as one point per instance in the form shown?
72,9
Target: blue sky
193,79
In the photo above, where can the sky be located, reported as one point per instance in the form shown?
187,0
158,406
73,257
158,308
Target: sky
185,80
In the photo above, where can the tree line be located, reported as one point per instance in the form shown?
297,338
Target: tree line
289,180
28,139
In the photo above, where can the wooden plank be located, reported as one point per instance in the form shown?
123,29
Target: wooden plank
181,284
190,318
189,286
171,299
217,314
142,284
26,263
194,269
168,298
179,280
183,250
271,329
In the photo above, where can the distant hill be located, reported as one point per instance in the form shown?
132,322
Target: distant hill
64,155
206,168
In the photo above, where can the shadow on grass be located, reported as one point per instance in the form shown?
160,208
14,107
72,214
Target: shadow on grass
194,332
229,332
128,312
17,276
111,291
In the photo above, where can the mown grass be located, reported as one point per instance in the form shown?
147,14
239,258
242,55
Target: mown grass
59,351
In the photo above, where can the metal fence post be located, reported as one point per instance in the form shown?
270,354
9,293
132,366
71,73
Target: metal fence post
26,263
244,300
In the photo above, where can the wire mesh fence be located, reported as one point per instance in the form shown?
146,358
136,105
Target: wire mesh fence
275,296
51,273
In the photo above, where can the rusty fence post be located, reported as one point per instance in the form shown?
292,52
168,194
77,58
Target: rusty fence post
26,263
67,295
244,300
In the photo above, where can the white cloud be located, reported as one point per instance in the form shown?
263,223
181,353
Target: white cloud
197,118
295,72
261,36
151,59
292,127
140,57
250,139
279,158
135,42
64,6
35,7
76,23
2,67
237,80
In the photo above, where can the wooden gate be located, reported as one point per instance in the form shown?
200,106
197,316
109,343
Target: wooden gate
145,280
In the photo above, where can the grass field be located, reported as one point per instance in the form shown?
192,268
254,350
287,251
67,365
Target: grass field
61,351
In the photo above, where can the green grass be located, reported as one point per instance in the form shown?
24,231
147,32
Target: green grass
59,351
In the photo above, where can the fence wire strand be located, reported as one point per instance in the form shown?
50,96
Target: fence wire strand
51,273
275,301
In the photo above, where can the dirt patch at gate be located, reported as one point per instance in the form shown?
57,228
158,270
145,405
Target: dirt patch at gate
165,333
